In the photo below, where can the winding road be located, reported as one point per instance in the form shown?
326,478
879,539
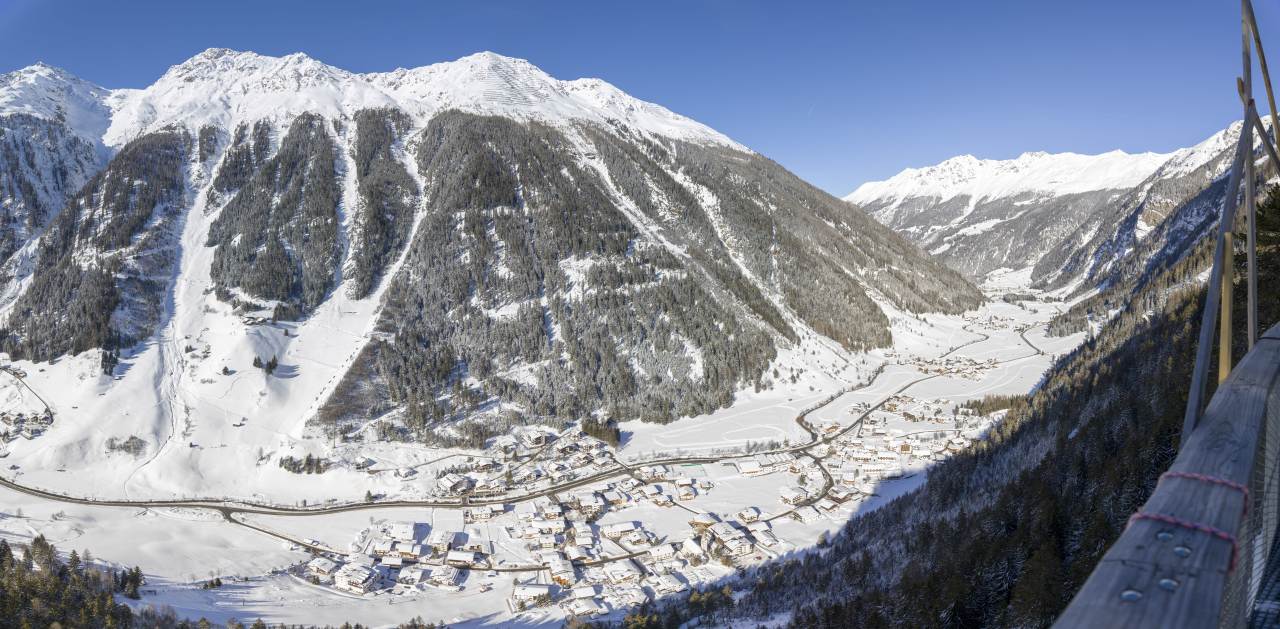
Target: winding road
230,509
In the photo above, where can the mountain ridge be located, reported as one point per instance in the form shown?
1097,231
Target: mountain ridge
216,86
1053,221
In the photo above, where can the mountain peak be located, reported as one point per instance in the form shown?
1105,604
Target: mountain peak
49,92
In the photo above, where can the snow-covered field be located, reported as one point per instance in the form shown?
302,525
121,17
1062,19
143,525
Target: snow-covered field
936,362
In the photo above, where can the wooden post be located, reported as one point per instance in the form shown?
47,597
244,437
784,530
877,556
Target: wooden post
1251,282
1224,318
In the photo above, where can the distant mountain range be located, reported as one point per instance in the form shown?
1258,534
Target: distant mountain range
1057,220
515,247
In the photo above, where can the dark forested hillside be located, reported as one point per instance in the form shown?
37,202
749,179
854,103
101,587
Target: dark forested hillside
277,238
107,256
1003,536
631,277
388,196
42,163
524,262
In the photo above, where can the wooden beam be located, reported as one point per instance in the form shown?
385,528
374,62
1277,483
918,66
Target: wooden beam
1266,76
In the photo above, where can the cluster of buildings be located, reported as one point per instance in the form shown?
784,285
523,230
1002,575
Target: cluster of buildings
24,425
533,459
399,556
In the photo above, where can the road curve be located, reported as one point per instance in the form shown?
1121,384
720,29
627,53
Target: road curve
229,508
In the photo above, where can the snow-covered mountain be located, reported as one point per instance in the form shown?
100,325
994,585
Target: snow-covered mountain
50,145
1053,220
453,249
223,88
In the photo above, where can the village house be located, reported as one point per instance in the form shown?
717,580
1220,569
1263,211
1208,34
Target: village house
751,467
806,515
453,484
489,488
534,438
403,532
562,572
703,521
792,495
738,546
527,595
460,559
442,541
690,550
412,576
629,595
582,534
484,513
616,531
620,572
614,498
355,578
750,514
637,537
590,505
663,552
668,584
322,569
406,551
765,538
477,545
583,607
444,576
382,548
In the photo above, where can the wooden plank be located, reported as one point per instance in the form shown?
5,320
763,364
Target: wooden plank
1164,575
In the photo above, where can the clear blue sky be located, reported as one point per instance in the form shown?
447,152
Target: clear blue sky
839,92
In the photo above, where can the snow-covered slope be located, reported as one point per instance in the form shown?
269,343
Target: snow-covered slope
1057,220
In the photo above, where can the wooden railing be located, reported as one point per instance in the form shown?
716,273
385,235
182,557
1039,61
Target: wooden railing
1193,556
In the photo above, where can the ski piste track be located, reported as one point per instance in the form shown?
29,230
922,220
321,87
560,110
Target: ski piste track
230,509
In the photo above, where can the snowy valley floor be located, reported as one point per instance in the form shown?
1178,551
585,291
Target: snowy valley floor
874,424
